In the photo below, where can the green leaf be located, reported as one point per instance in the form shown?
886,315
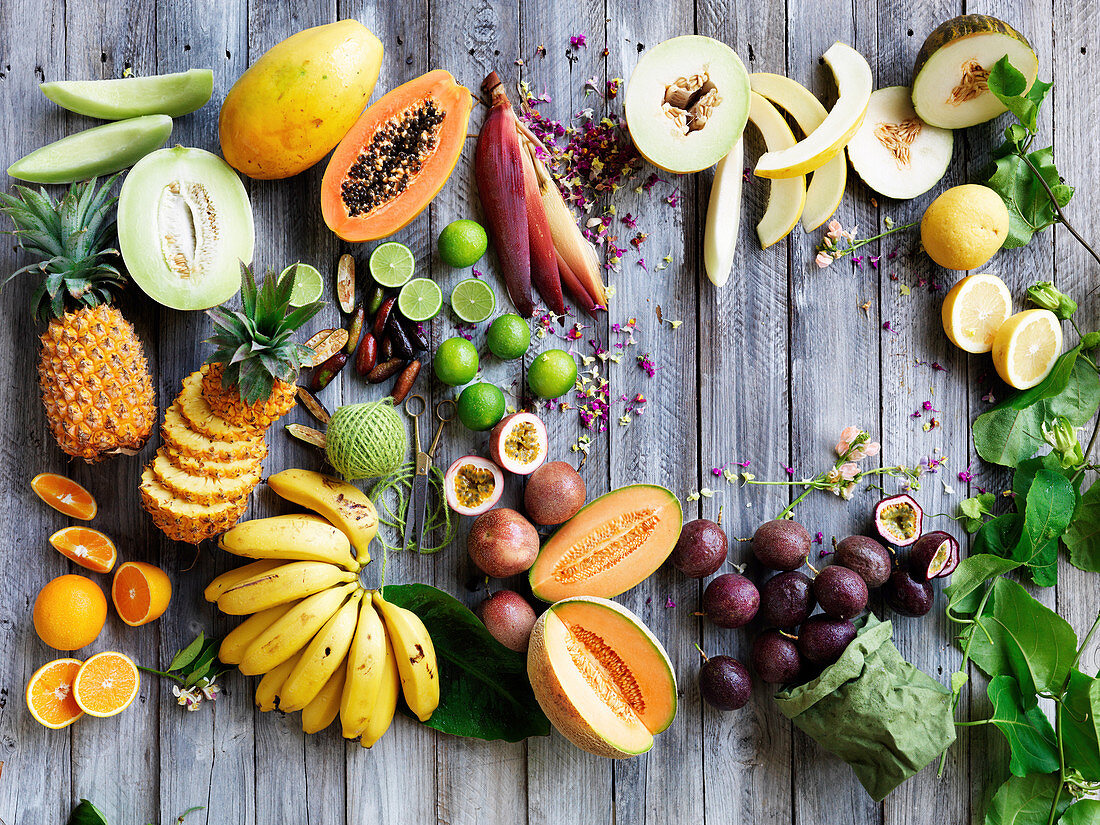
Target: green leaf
1026,800
1028,731
975,510
1082,539
87,814
972,572
1080,727
188,654
485,692
1082,812
1051,501
1029,206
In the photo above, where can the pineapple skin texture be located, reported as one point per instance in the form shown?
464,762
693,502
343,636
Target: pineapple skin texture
95,384
231,408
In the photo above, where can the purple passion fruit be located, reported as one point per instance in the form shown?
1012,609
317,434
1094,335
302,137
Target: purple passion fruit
473,485
898,519
841,592
908,597
775,658
781,544
725,683
502,543
700,550
731,600
555,492
933,556
787,599
508,618
822,640
865,556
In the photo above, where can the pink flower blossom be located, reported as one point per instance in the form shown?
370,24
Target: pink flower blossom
871,448
823,260
849,470
836,231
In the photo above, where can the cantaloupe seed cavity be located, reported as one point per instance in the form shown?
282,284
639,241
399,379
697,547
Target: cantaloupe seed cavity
606,546
898,137
187,227
689,102
610,677
972,82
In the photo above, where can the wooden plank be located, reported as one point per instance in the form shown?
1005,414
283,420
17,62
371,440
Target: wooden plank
823,303
743,331
34,756
661,445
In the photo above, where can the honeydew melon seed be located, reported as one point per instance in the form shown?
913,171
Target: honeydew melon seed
175,94
101,150
854,84
826,187
185,228
788,195
686,103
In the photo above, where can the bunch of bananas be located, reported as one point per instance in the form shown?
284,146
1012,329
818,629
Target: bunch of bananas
323,644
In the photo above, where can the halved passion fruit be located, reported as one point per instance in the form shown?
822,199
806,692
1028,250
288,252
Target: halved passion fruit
934,555
184,228
518,443
601,676
473,485
687,103
898,519
609,546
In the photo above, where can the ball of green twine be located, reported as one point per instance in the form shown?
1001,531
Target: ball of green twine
366,440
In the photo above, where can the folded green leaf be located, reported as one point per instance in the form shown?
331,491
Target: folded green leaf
1051,501
1082,539
1026,800
1080,727
1082,812
188,654
1030,736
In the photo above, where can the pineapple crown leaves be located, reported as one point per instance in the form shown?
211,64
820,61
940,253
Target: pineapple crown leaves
255,344
72,239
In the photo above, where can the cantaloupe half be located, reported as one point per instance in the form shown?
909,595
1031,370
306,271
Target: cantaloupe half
610,545
602,678
826,187
854,85
788,195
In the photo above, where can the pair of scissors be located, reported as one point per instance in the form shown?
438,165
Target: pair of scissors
418,502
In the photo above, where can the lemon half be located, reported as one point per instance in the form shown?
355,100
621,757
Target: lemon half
1026,347
974,310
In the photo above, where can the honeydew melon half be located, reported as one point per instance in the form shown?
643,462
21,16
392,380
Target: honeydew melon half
686,103
788,195
184,228
895,152
854,85
949,78
826,187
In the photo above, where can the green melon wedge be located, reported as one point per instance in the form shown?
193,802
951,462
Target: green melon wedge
174,95
101,150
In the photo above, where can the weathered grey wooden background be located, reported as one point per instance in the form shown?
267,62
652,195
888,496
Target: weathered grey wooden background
769,369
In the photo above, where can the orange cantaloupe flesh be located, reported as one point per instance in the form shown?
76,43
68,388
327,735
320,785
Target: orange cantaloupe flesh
610,546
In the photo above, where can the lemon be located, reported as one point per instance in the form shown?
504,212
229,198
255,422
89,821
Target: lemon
1026,347
964,227
974,310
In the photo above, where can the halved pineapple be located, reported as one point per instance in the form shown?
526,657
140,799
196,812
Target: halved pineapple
202,489
209,467
177,433
186,520
201,416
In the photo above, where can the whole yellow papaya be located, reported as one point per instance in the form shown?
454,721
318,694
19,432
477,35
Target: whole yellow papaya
299,99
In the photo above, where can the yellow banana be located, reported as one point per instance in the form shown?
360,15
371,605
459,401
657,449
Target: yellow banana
415,654
231,578
366,660
267,691
321,656
325,707
293,631
343,504
386,704
289,581
238,639
297,537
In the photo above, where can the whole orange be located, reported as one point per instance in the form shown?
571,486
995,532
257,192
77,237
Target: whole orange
69,612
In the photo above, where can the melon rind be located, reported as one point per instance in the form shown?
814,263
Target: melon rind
939,64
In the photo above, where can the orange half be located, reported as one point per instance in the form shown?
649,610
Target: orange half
50,694
141,592
65,496
106,684
87,547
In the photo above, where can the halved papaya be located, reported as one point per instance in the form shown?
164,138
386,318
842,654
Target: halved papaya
396,157
601,676
609,546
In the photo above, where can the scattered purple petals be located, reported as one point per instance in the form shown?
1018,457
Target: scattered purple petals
886,326
788,470
578,41
669,603
819,537
938,367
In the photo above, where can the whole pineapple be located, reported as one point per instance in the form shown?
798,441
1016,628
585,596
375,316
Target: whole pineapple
250,379
92,370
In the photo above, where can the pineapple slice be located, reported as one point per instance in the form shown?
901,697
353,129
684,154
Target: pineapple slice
202,489
185,520
214,469
179,436
202,417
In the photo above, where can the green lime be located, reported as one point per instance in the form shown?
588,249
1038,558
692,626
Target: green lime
420,299
481,406
462,243
455,362
392,264
552,374
508,337
308,285
473,300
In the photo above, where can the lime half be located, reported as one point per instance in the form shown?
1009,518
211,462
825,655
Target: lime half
308,285
420,299
392,264
473,300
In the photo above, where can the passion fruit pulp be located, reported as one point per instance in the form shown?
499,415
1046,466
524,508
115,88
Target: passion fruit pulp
518,443
898,519
473,485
